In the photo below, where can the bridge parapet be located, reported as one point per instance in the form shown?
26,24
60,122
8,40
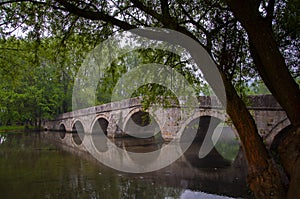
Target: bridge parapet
263,102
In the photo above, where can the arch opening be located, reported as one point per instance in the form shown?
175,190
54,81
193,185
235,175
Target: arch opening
141,118
215,144
279,137
77,132
99,134
142,135
62,131
141,125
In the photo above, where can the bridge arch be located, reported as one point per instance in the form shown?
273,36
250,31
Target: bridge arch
141,129
198,114
276,130
99,133
214,143
138,120
128,116
101,117
77,132
278,138
62,130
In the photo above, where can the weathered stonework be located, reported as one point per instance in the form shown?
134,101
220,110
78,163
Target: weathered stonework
269,116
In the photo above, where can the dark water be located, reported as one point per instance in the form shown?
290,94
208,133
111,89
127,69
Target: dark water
33,166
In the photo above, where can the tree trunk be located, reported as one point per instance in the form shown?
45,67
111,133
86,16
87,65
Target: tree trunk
272,67
264,177
274,72
289,151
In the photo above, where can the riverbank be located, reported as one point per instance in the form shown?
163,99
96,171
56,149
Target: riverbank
17,128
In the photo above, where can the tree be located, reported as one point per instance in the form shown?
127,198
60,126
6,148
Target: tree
223,34
24,85
37,79
271,65
152,93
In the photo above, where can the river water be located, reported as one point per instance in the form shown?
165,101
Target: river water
33,166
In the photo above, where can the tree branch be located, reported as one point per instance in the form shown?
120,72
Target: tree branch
192,21
12,49
165,10
14,1
270,11
94,15
146,9
34,2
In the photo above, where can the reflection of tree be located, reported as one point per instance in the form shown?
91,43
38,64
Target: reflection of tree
2,138
129,189
43,171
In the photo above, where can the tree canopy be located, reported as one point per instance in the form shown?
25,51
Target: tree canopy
44,42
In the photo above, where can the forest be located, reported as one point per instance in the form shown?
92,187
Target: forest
254,44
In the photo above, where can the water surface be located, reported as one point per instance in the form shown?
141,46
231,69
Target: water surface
32,165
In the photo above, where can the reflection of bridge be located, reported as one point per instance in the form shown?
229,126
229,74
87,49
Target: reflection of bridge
114,118
213,178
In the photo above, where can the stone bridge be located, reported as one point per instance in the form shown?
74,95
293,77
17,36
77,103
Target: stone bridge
127,117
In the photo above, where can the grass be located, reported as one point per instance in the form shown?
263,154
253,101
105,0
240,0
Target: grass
14,128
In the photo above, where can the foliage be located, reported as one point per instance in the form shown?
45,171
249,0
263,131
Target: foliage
152,92
56,33
53,44
37,78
